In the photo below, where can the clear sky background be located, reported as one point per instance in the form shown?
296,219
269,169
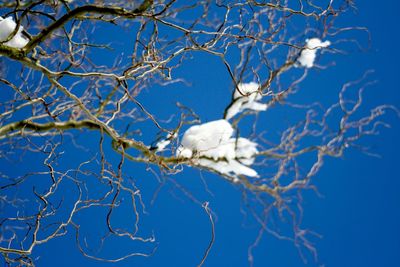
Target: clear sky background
357,213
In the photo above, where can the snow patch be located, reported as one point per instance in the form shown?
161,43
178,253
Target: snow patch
246,101
7,27
309,53
162,145
211,145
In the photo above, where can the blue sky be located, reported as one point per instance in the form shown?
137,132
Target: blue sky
356,213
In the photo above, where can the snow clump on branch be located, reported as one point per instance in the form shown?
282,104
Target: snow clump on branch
309,53
162,144
211,145
246,101
7,27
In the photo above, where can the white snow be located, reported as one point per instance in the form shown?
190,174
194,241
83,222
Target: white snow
246,101
309,53
7,26
161,145
211,145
